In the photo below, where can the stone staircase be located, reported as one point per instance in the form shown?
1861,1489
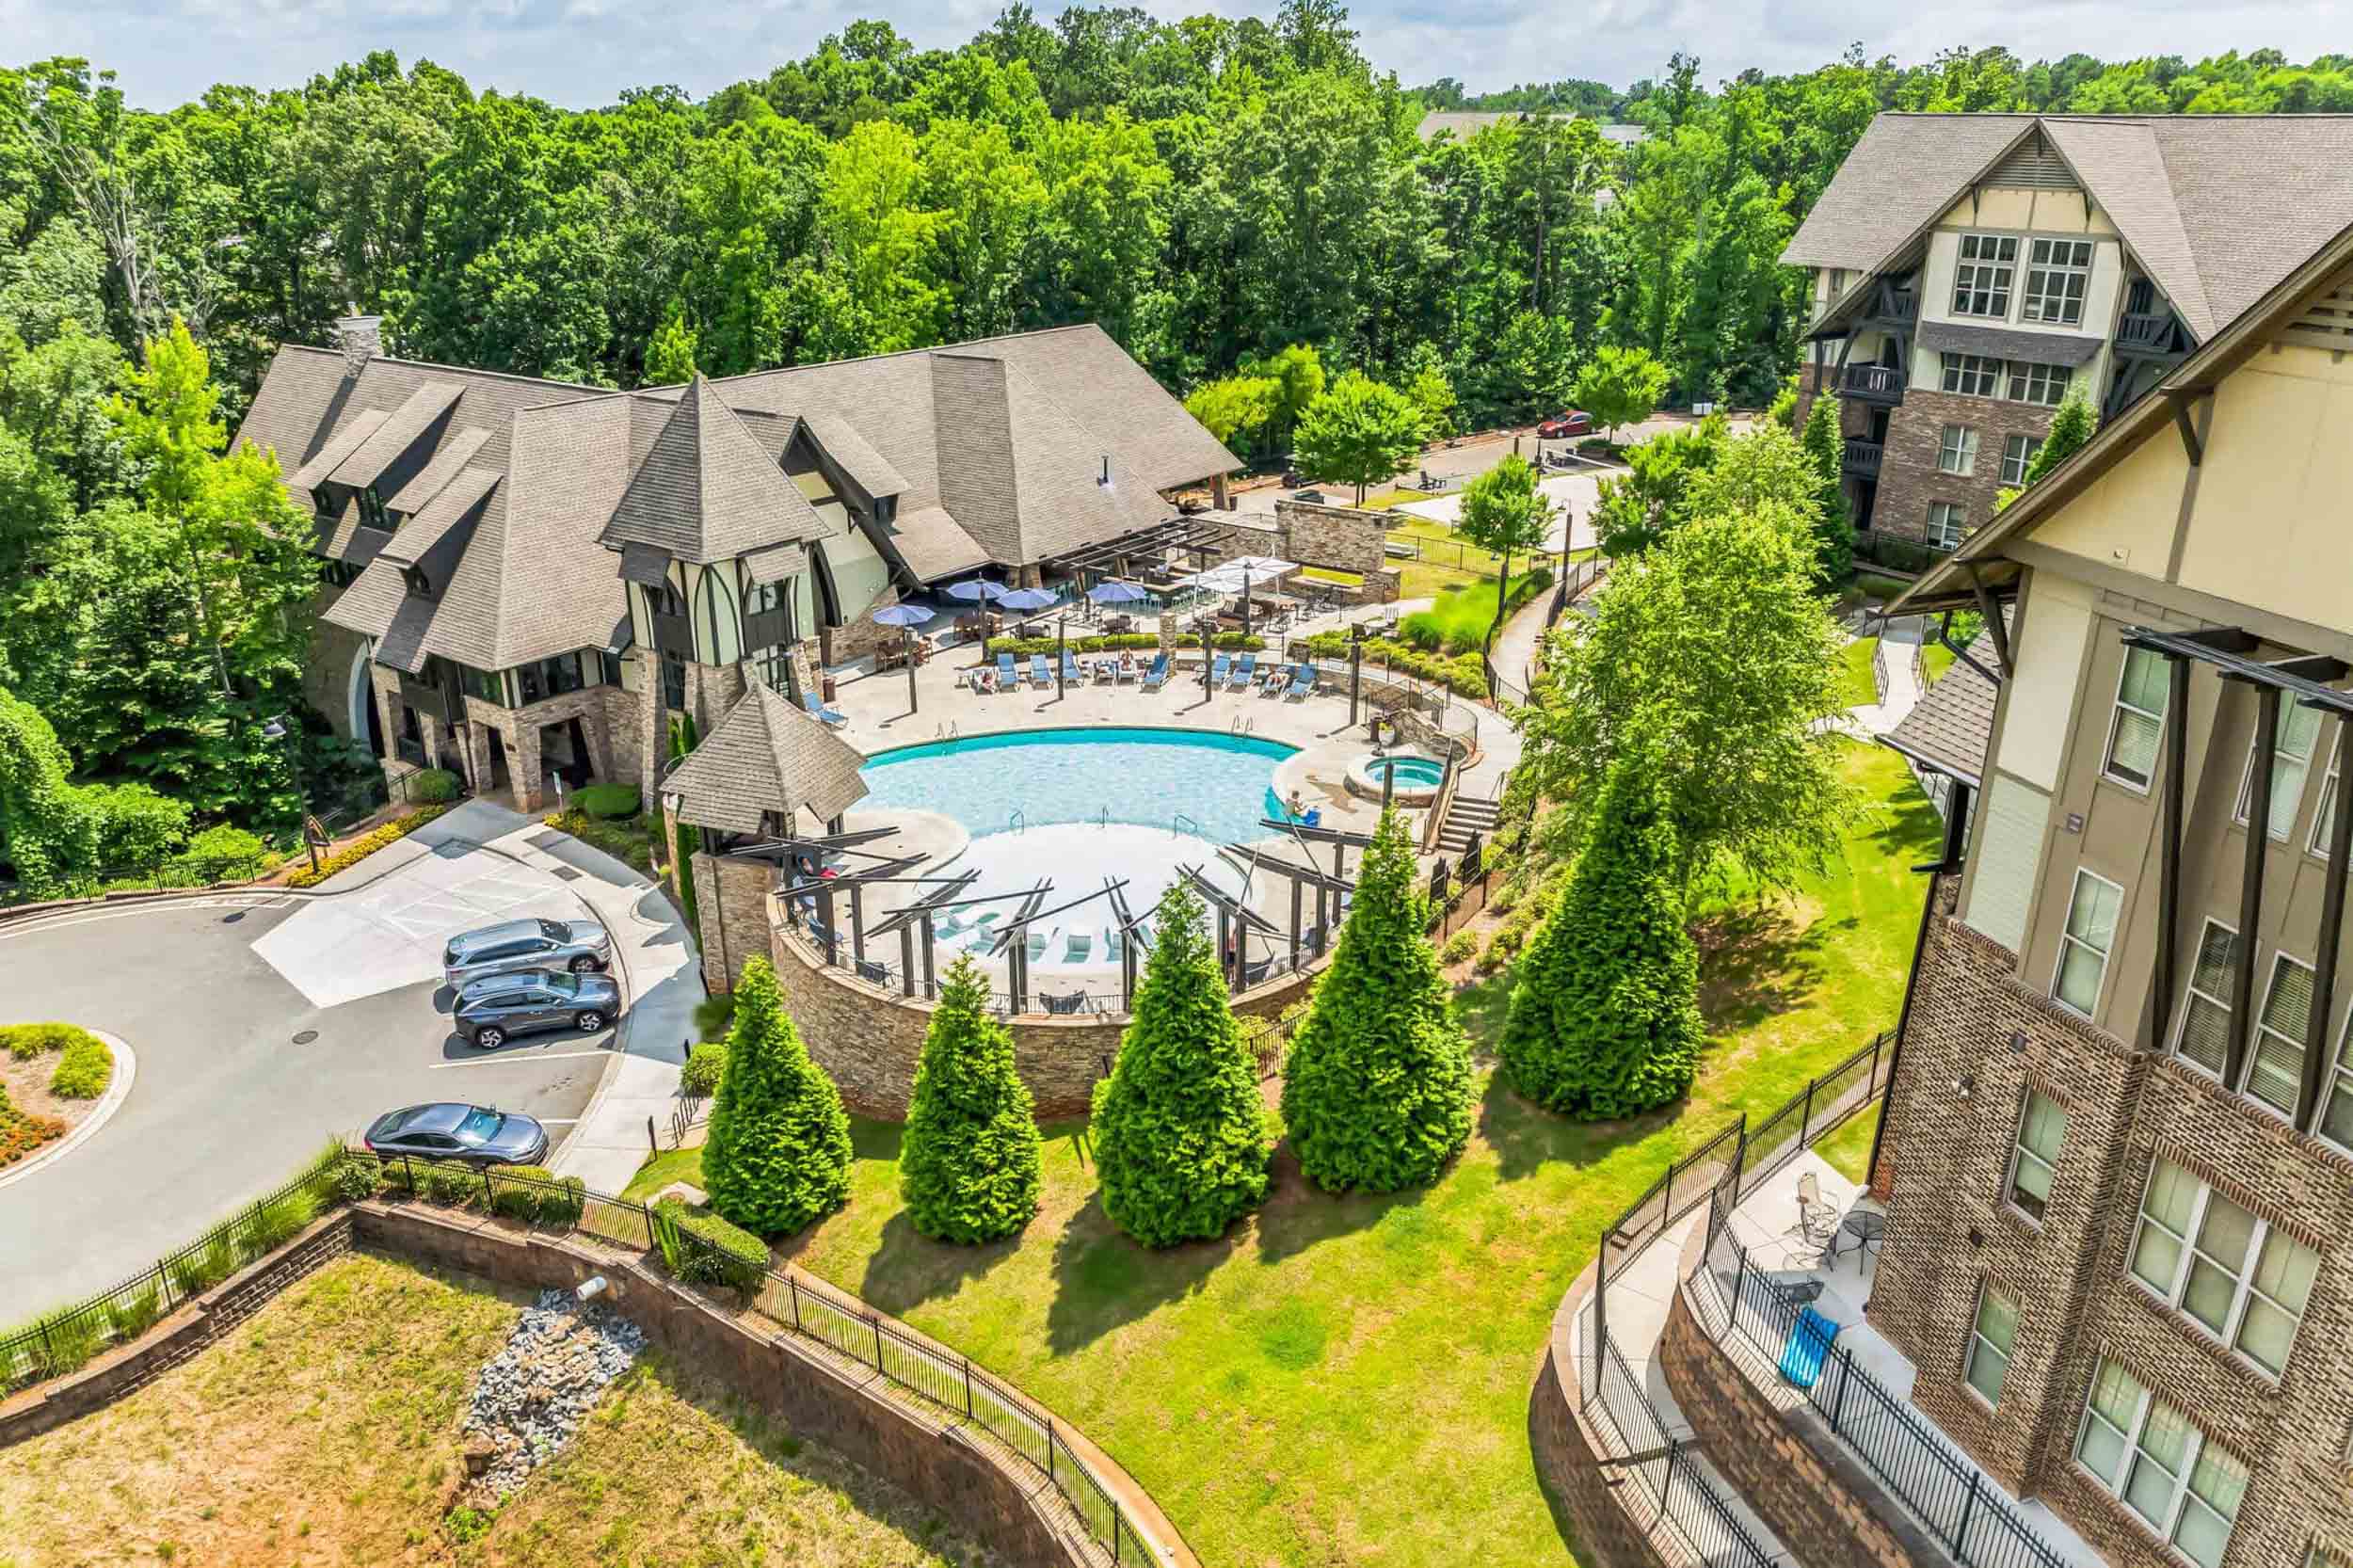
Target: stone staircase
1464,817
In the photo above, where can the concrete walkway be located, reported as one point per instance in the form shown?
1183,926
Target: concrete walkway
1902,693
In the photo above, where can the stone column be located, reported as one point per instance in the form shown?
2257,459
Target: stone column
525,766
1218,496
653,738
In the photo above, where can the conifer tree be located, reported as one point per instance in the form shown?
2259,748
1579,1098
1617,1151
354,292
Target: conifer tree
1605,1016
1377,1093
968,1166
779,1150
1833,530
1180,1134
2072,429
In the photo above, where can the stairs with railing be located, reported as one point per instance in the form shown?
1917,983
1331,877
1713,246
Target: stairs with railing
1467,817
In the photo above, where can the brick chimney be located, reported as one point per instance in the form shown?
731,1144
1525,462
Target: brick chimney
360,339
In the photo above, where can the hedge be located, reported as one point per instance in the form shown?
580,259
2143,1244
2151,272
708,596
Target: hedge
360,848
1022,647
607,799
539,1195
435,786
701,1248
1462,675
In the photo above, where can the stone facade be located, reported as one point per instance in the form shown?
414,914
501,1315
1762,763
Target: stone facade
864,635
1909,478
1952,1231
1601,1503
870,1036
1341,538
731,911
327,672
604,712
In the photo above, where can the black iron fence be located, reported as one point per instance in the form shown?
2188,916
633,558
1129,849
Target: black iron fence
1743,1305
1674,1491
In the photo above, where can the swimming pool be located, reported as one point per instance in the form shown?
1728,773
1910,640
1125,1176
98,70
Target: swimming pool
1210,785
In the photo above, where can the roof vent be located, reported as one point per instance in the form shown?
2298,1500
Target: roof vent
359,339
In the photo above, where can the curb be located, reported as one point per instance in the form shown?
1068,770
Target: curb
118,1090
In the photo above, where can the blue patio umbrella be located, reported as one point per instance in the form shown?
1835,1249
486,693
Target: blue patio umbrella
1113,591
1026,598
907,617
977,589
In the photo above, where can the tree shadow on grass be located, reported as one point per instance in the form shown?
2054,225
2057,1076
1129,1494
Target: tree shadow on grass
1481,1007
908,1269
1103,1280
1297,1213
1908,823
1757,961
1526,1137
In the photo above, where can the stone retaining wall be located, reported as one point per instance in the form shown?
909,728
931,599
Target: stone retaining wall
869,1036
1568,1455
124,1369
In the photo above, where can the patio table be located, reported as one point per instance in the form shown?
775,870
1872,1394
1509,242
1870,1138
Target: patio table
1867,1225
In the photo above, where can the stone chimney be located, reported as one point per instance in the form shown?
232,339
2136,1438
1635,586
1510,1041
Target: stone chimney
360,339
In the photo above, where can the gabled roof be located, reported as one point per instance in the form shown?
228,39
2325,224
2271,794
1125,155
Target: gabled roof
706,489
449,460
766,755
397,432
866,467
2216,208
1947,730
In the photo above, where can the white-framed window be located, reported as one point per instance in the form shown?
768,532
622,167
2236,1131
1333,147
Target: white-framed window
1956,451
2275,1068
2030,382
1948,525
1970,374
1990,1339
2041,1132
2205,1030
2090,931
1981,278
2017,451
2228,1272
2056,273
2292,739
2165,1470
2143,687
2325,815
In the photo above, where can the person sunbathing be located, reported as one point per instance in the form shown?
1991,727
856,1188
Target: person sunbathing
985,680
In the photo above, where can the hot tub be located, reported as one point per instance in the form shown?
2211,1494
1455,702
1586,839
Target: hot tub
1414,779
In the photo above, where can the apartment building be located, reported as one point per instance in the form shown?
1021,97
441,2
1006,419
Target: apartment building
1971,272
2118,1159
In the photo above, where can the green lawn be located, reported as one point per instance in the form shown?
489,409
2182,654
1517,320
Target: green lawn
1858,686
1345,1379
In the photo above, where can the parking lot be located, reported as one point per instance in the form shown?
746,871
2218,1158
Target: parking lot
264,1024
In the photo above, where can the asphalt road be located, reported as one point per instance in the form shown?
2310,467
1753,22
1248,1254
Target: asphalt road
226,1104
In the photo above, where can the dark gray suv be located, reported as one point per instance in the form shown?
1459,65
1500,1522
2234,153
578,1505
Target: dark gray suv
579,946
497,1007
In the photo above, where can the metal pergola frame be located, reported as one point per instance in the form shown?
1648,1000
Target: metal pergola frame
1231,912
1177,533
1328,889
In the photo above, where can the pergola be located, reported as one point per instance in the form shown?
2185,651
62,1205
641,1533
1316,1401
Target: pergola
1154,541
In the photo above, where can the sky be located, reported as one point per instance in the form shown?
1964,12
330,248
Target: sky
581,53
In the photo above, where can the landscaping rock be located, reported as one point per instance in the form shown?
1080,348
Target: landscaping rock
534,1394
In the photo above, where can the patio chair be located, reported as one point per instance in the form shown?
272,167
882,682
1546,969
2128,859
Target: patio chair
1245,672
1124,669
1075,1002
1818,1220
1007,678
1041,673
1809,1341
1075,949
1253,973
818,709
880,974
1037,945
1071,674
1303,680
1158,675
1218,669
1107,669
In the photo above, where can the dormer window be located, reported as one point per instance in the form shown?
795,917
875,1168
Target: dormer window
323,503
372,509
418,583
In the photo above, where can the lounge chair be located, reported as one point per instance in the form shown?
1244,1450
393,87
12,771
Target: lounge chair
948,922
1037,945
1158,674
982,936
818,709
1071,674
1041,674
1217,670
1075,949
1007,678
1106,669
1112,943
880,974
1245,672
1303,680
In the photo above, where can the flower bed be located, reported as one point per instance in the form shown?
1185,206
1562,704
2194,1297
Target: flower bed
360,848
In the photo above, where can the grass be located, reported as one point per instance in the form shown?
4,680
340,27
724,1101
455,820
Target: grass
1347,1379
325,1430
1330,574
1858,686
1848,1149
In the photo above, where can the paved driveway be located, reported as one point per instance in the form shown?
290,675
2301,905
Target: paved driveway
215,995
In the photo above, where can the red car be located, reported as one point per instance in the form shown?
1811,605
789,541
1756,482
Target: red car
1559,427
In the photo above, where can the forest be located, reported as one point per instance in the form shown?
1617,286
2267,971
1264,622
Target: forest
1220,195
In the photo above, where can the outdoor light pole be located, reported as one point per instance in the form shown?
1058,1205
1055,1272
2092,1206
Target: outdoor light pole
907,636
1355,667
1245,603
280,730
1208,625
1062,630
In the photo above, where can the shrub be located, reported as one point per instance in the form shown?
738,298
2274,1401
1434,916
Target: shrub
450,1181
538,1195
714,1015
130,1321
84,1069
434,786
1180,1131
360,848
357,1177
607,799
26,1041
20,1132
969,1165
1462,945
200,1271
64,1341
1605,1017
779,1156
137,827
702,1248
226,853
280,1221
1377,1094
704,1066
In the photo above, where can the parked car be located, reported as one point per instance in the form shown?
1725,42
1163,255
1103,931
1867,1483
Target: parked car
477,1134
579,946
497,1007
1559,427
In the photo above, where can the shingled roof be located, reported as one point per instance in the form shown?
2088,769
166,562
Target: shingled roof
707,490
2216,208
1948,729
764,756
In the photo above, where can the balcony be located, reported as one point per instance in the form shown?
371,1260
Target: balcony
2147,332
1883,385
1861,459
1897,307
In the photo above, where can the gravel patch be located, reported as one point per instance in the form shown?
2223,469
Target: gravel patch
534,1394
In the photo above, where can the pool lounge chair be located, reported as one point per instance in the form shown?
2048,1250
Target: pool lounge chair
948,922
1112,943
1217,670
1075,949
981,935
1041,674
1037,945
1158,674
1072,675
1244,672
818,709
1303,680
1007,678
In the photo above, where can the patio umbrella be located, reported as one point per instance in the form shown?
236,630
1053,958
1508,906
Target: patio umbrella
977,589
907,617
1026,598
1113,591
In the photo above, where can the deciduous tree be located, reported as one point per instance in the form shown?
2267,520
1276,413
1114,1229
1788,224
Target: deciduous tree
1620,386
1504,510
1359,433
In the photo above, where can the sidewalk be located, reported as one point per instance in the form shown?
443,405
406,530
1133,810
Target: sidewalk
1902,695
661,974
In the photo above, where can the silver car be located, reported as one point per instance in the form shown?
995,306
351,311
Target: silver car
580,946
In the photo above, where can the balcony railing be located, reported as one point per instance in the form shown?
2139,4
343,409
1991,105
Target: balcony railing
1863,459
1872,383
1897,307
2144,330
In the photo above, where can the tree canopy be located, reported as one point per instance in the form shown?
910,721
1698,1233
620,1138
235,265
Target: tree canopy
968,1166
1359,433
1505,511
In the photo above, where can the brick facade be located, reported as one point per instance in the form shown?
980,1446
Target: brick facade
1952,1230
1909,478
